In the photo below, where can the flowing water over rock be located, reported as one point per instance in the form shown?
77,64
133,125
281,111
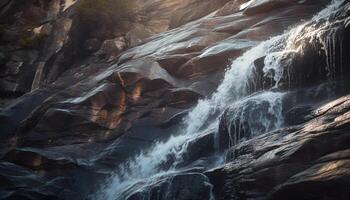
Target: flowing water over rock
222,99
248,116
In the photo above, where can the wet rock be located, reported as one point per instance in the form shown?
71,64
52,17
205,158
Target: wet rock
198,149
297,115
33,159
181,99
181,187
250,117
13,175
263,6
21,183
111,48
325,180
292,162
214,58
185,15
305,69
171,63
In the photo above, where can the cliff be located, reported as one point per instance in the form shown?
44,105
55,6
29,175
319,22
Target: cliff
175,99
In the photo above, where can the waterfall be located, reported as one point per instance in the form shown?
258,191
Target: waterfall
233,91
252,116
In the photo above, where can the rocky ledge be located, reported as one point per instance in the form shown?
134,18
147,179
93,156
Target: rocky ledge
308,161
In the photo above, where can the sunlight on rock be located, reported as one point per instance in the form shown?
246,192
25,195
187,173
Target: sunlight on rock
163,109
245,5
332,170
120,79
110,117
114,117
68,4
345,116
38,29
37,161
107,134
136,93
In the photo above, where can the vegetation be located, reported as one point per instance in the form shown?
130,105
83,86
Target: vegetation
110,10
33,41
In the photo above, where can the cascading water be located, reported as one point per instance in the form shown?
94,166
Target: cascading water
232,92
251,116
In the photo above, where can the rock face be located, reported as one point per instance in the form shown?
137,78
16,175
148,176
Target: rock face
302,162
42,39
185,186
93,100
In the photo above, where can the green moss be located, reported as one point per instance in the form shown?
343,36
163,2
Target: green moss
32,41
115,10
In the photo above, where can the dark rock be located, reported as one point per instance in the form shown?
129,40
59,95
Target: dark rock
181,99
92,44
111,48
199,148
32,159
192,186
326,180
297,115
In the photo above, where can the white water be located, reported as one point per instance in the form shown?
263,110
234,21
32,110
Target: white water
233,87
254,115
231,91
